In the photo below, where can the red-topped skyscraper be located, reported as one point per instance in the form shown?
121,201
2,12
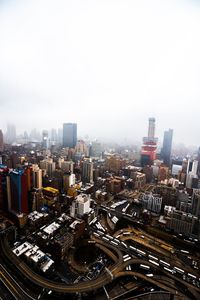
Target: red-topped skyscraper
148,152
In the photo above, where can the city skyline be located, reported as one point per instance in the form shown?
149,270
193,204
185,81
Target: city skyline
99,149
56,135
106,66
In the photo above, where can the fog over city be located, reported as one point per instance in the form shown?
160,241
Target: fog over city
106,65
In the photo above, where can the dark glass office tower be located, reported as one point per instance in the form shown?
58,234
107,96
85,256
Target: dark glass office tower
69,135
167,147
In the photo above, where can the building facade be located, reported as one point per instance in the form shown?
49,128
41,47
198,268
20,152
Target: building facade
17,189
87,171
69,135
148,152
167,147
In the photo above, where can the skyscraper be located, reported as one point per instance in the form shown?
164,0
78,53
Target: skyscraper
11,133
60,135
195,167
54,136
87,171
167,147
95,149
1,140
69,135
192,178
45,139
37,177
148,152
17,189
196,203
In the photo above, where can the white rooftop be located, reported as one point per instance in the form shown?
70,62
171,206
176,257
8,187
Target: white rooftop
64,217
115,219
51,228
35,254
22,248
47,264
35,215
73,225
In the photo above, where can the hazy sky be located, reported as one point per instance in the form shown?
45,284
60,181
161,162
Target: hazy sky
107,65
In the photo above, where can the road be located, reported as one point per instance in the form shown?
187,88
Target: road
147,242
116,270
102,280
106,276
14,288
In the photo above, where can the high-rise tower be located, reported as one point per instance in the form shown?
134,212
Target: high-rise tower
148,152
69,135
167,147
87,171
11,133
45,139
17,191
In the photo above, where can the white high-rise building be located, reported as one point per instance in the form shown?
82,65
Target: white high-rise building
195,167
80,206
60,160
191,174
68,180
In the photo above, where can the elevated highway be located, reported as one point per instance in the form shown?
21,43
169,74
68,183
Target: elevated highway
152,281
117,270
11,284
103,279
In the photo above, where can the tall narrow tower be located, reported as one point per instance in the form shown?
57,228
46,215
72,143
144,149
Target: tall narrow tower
148,152
167,147
151,130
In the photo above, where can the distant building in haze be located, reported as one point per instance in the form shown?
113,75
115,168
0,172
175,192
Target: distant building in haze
60,135
148,152
45,141
1,141
95,149
11,134
54,136
69,135
167,147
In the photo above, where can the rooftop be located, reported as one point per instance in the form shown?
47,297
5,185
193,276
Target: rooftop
51,228
22,248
